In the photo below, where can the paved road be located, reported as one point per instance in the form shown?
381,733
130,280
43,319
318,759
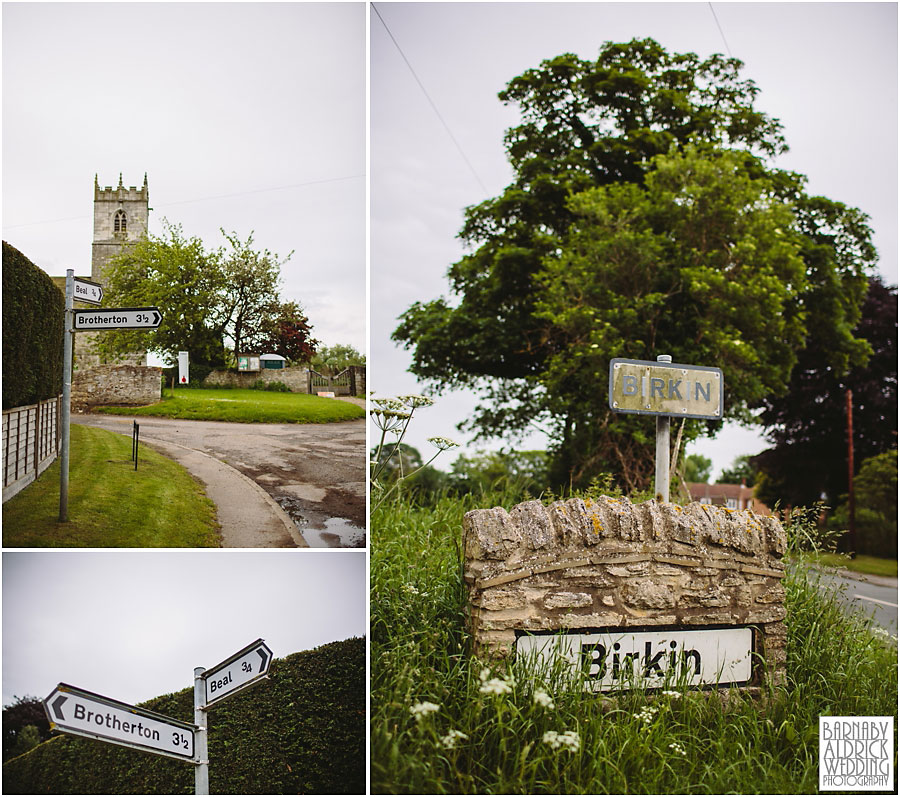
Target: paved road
316,473
873,596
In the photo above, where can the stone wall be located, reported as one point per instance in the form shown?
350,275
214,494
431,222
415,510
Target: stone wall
116,385
296,378
582,565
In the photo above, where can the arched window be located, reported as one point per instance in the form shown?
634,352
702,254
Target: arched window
119,221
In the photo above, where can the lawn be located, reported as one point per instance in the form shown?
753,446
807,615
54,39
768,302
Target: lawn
110,503
871,565
436,728
244,406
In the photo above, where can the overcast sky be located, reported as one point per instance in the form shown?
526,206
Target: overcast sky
245,116
828,71
133,625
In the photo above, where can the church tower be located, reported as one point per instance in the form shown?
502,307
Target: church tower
121,216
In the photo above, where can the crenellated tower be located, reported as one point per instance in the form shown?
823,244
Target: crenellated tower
121,216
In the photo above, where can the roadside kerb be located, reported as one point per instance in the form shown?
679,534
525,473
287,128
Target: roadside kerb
248,515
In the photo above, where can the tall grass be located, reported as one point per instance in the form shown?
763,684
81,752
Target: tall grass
443,722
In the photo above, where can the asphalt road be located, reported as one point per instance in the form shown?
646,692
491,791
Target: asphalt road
315,472
871,595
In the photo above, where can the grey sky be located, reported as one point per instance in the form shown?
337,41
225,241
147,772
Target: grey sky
132,625
828,71
245,116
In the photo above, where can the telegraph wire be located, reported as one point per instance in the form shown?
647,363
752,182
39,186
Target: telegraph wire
727,48
430,101
199,199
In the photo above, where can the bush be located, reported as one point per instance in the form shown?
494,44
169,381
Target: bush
875,515
33,328
274,387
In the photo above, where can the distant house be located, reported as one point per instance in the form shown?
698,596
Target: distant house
732,496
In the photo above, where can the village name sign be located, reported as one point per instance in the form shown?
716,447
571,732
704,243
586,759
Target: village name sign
651,595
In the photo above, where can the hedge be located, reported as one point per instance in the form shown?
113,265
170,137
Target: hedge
33,321
301,731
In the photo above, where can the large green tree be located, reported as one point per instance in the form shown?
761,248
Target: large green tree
643,219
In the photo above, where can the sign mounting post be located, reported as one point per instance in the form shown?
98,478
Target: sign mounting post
66,409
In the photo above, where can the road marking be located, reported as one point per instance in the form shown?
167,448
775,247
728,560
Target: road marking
875,600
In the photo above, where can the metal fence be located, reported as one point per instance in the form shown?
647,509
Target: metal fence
30,443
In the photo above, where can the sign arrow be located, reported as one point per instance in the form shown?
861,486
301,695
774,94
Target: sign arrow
97,717
237,672
57,707
117,318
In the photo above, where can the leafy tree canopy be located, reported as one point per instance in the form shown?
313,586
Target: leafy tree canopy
697,468
643,219
206,297
333,359
807,426
741,470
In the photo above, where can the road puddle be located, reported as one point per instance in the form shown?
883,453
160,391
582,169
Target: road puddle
321,531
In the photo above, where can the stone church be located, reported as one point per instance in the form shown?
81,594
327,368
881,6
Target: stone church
121,217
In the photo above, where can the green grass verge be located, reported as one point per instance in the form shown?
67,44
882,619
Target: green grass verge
690,744
244,406
862,563
110,503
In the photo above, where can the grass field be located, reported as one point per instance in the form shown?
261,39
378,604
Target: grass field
244,406
872,565
110,503
436,730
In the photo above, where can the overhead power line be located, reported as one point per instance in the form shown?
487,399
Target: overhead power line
430,101
727,48
200,199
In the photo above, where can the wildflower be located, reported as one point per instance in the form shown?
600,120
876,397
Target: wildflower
414,401
677,749
543,699
388,420
423,709
443,443
411,589
496,686
567,739
670,693
647,714
391,404
449,741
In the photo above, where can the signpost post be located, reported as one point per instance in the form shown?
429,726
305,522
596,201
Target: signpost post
84,713
666,390
66,410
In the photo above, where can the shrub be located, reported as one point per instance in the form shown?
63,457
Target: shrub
33,328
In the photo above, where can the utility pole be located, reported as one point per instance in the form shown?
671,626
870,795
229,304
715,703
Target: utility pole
851,498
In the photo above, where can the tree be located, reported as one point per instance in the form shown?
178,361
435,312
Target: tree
22,714
808,425
180,277
875,506
697,468
518,471
642,219
250,295
741,471
289,334
334,359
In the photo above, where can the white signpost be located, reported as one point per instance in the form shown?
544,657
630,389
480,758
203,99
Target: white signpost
118,318
619,660
84,713
236,672
86,291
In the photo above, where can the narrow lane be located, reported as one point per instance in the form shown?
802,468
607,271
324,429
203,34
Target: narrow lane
872,596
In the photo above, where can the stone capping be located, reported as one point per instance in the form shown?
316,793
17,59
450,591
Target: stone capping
585,564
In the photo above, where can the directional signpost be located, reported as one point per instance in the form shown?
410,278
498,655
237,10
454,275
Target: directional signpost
87,291
118,318
666,390
237,672
91,319
83,713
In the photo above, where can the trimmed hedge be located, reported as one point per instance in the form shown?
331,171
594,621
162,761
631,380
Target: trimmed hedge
33,327
301,731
